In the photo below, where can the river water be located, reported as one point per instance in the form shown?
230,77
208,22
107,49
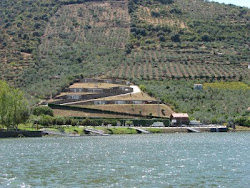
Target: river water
161,160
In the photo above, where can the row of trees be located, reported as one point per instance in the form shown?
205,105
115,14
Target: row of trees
47,121
13,106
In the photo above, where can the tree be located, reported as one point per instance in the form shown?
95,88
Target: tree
166,1
176,38
13,106
162,38
205,37
4,89
19,108
155,14
143,88
128,49
128,122
42,110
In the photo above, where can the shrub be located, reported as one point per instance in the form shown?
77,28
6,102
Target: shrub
46,120
243,121
155,14
206,38
176,38
42,110
162,38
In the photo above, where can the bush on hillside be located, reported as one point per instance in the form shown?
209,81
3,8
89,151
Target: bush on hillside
42,110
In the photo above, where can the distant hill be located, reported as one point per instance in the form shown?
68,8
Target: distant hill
44,44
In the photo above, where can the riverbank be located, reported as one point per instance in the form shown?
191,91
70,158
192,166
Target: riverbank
20,134
239,129
132,130
79,131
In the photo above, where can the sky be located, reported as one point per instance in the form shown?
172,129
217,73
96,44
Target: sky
244,3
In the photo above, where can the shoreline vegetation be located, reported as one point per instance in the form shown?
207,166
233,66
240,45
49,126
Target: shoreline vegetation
15,112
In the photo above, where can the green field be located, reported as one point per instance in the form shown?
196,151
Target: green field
227,85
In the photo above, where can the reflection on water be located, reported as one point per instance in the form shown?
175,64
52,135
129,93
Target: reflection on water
182,160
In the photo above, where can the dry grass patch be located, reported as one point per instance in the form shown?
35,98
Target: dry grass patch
134,96
144,14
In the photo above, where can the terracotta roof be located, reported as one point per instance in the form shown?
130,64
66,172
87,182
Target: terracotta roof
179,115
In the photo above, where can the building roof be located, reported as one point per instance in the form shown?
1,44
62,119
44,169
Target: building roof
179,115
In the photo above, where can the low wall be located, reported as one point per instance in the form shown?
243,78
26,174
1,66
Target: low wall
16,134
219,129
112,81
64,99
103,102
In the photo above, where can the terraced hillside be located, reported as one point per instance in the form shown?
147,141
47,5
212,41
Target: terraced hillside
63,39
45,45
186,39
107,98
84,38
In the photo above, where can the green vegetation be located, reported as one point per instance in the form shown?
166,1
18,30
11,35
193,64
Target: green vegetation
211,105
45,45
186,39
42,110
227,85
47,121
13,107
244,120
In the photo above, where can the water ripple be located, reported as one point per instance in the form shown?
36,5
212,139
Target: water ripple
171,160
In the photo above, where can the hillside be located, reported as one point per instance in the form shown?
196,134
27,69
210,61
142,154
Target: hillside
186,39
45,45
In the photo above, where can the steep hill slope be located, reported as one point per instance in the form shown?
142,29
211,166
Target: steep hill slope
46,40
186,39
87,38
45,44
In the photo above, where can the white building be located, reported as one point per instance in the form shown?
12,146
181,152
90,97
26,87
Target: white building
198,86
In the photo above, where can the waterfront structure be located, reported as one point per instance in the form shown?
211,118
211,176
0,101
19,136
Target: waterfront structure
179,119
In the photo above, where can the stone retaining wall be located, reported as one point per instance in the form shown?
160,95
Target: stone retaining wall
16,134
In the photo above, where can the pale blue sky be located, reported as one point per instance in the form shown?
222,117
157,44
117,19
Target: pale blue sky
245,3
